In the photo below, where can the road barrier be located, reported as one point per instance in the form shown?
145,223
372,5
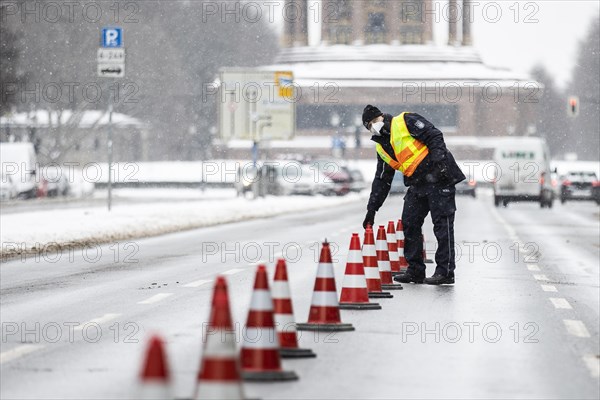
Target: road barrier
284,315
155,377
383,261
219,376
324,314
372,268
260,352
355,295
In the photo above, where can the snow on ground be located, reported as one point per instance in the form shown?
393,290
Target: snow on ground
51,230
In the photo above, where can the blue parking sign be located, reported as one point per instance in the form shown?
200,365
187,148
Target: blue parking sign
112,37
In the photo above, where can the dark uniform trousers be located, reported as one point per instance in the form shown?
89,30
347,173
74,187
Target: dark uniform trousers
418,202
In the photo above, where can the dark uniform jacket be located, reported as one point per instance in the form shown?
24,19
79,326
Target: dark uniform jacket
438,168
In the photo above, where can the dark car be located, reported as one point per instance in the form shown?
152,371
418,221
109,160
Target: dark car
467,187
580,185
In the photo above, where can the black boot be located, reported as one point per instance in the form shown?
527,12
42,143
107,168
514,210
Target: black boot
408,277
439,279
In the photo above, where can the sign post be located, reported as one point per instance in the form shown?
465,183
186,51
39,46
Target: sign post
111,64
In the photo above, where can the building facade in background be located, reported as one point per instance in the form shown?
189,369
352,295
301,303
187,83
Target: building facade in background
383,53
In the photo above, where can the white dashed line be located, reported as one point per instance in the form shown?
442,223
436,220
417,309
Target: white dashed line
576,328
101,320
593,364
559,302
198,283
156,298
232,271
549,288
533,267
255,263
19,351
541,277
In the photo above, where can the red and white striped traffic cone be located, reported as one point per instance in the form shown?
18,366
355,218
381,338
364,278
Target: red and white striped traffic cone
284,316
383,260
400,238
425,259
392,243
155,377
355,295
324,314
219,376
260,350
371,267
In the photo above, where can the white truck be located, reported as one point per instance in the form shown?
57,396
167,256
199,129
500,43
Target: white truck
522,171
19,162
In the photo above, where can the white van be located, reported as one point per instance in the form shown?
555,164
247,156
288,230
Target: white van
522,171
19,161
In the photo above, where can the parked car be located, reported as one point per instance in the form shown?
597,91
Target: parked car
467,187
20,162
580,185
524,171
398,186
58,181
333,178
8,189
358,181
244,179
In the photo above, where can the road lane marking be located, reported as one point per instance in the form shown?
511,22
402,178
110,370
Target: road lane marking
156,298
232,271
593,364
549,288
533,267
559,302
19,351
541,277
101,320
576,328
197,283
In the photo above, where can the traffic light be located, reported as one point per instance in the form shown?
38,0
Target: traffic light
573,106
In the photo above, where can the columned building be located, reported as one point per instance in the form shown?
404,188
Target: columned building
382,52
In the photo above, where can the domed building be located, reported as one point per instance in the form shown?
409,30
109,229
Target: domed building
382,52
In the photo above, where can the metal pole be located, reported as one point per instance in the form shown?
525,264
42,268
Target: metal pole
110,155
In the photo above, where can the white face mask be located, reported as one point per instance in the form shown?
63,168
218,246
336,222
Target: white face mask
376,128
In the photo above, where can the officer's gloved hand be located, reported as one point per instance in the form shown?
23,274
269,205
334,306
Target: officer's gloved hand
369,219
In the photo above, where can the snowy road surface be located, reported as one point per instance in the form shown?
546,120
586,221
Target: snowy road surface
521,322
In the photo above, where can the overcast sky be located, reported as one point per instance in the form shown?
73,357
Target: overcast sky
543,31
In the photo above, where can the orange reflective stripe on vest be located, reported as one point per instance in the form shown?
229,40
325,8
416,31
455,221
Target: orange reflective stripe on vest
408,151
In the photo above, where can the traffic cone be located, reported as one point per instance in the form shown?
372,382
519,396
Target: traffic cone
383,260
260,351
392,243
155,377
425,259
372,268
355,295
284,316
219,376
324,314
400,238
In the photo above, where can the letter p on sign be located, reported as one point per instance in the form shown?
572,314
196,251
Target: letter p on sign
112,37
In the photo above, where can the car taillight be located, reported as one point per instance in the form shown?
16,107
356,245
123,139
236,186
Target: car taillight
566,182
471,182
596,184
542,179
554,182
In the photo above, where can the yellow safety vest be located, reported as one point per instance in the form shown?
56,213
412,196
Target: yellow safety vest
408,150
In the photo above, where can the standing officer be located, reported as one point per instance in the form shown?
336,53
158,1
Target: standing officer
412,145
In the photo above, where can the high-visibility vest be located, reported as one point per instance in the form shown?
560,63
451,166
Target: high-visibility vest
408,150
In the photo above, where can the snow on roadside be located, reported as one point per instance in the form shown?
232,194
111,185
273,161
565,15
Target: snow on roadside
46,230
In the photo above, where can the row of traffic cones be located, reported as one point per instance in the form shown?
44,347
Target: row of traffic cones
369,270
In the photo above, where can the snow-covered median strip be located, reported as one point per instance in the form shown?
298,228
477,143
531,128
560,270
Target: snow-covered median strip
32,232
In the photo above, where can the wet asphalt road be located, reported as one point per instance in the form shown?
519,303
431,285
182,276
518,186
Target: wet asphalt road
521,322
